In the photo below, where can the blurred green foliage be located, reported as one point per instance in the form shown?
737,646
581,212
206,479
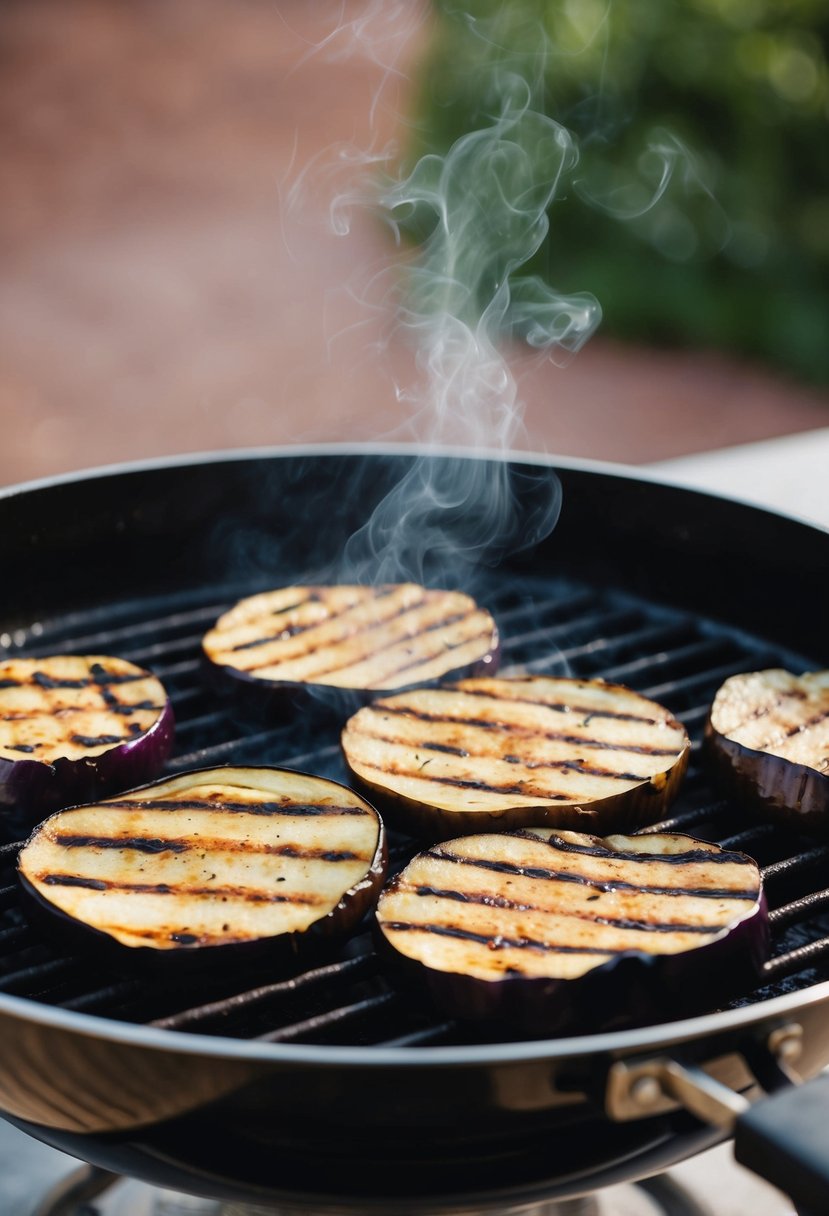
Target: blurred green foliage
718,107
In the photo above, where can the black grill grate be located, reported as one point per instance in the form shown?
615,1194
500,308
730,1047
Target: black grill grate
554,627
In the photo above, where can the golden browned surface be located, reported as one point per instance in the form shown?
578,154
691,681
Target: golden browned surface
159,295
779,713
207,859
74,706
491,744
557,904
352,636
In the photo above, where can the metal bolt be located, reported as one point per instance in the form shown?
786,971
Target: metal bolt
646,1092
786,1043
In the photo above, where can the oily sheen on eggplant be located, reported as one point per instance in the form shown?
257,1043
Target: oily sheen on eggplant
219,864
767,738
557,931
346,643
494,754
74,728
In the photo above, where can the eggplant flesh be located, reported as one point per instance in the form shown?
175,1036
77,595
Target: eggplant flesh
494,754
351,637
74,728
208,863
556,931
767,738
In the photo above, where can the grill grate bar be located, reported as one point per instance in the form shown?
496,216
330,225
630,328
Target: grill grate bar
693,653
799,909
351,968
797,863
570,606
100,640
112,993
798,960
420,1038
606,622
328,1021
704,679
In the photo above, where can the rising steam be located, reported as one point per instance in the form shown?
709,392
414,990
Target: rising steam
481,212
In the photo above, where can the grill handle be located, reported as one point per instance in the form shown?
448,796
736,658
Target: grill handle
783,1137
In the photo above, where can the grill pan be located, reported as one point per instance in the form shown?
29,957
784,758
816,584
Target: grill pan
328,1088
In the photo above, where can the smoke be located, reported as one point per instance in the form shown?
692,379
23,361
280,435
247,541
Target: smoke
480,212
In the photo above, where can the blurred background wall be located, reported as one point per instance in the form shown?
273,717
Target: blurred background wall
159,295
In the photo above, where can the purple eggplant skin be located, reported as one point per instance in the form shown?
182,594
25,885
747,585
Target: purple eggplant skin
257,702
778,789
31,790
192,962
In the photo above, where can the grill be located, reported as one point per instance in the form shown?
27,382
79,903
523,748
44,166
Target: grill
328,1084
548,625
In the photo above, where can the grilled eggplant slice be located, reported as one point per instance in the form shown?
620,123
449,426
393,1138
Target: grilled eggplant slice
74,728
767,737
556,931
346,643
495,754
223,863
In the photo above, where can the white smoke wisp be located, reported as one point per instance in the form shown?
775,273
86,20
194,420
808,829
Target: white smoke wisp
482,211
487,201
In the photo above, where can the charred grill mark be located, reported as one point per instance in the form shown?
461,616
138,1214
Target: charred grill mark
815,720
559,706
246,808
151,844
692,855
355,633
99,740
599,884
102,676
516,729
439,747
501,901
494,943
576,766
290,631
141,844
447,648
249,895
521,788
22,747
42,680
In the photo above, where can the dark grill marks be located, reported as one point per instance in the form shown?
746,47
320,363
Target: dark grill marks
163,888
499,901
240,808
148,844
507,728
719,857
559,706
520,788
599,884
361,631
99,740
499,943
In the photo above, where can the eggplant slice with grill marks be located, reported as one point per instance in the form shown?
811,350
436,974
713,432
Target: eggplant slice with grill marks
497,754
767,738
220,864
74,728
344,644
556,931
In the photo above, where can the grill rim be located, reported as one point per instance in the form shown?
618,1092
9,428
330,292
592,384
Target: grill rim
541,460
662,1035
